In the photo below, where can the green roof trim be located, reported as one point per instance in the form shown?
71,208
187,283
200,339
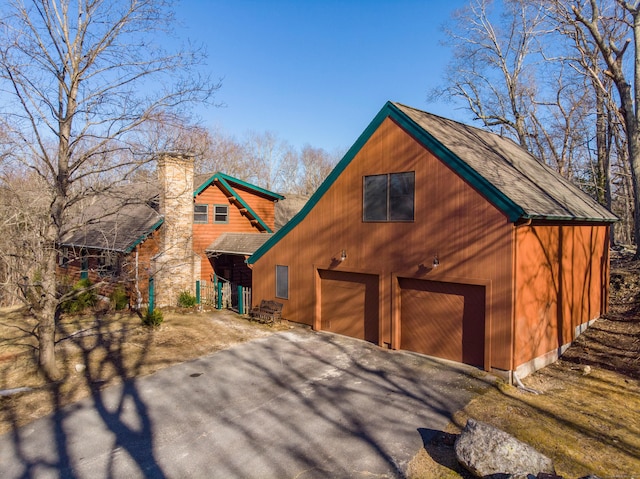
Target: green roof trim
233,192
225,181
144,236
512,210
322,189
237,181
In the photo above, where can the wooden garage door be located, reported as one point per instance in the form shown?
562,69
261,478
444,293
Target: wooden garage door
349,304
445,320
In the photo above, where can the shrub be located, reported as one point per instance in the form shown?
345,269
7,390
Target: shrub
82,297
119,299
152,318
186,300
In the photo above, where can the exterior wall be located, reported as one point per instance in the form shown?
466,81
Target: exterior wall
135,269
205,234
561,284
472,239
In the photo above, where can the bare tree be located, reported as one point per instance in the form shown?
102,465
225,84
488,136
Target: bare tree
267,155
491,68
79,79
606,25
316,166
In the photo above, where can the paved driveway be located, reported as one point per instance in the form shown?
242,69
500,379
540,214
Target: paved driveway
295,404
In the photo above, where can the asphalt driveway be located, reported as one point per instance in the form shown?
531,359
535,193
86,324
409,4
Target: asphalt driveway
295,404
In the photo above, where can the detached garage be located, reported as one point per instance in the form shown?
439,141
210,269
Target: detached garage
447,240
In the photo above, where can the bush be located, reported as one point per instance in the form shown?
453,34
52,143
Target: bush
152,318
119,299
82,297
186,300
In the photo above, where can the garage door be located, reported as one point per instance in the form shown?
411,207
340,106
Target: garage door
445,320
349,304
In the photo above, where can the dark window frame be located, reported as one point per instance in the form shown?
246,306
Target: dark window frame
198,215
216,214
389,197
282,281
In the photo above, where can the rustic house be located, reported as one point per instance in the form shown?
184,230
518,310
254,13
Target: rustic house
440,238
180,229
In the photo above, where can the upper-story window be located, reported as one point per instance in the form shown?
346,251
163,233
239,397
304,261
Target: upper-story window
389,197
220,213
200,213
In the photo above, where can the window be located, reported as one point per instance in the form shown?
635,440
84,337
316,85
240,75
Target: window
282,282
63,257
389,197
200,213
220,214
109,264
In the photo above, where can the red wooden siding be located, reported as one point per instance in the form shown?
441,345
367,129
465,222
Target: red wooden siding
561,283
472,239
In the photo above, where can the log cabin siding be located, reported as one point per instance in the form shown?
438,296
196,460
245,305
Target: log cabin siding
561,283
205,234
472,239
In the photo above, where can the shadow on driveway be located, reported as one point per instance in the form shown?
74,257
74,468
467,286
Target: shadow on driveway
295,404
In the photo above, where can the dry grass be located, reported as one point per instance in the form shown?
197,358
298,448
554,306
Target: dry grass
98,350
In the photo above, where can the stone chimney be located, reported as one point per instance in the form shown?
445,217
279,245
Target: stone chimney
176,266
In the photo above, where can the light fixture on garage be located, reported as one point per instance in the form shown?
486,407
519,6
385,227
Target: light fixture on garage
343,255
436,261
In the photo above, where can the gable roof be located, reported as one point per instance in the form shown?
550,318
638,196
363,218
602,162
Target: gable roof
237,243
513,180
226,184
121,218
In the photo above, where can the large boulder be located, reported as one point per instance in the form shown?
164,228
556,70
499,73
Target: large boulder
485,450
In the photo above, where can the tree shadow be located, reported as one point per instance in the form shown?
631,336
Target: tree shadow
90,350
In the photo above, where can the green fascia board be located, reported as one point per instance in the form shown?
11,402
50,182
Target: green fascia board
323,188
228,178
233,192
502,202
144,236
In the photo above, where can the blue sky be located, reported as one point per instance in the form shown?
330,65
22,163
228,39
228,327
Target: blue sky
317,72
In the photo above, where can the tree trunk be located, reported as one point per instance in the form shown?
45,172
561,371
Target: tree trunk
48,315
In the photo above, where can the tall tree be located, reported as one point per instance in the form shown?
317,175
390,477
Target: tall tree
603,23
79,78
491,65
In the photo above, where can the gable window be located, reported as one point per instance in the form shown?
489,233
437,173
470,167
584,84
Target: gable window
282,282
220,214
389,197
200,213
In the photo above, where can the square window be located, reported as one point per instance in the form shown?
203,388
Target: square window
389,197
220,214
282,282
200,213
109,264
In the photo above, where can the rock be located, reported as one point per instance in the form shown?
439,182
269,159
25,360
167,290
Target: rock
485,450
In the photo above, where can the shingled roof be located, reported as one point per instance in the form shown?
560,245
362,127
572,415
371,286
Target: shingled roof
117,220
237,243
507,174
513,180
